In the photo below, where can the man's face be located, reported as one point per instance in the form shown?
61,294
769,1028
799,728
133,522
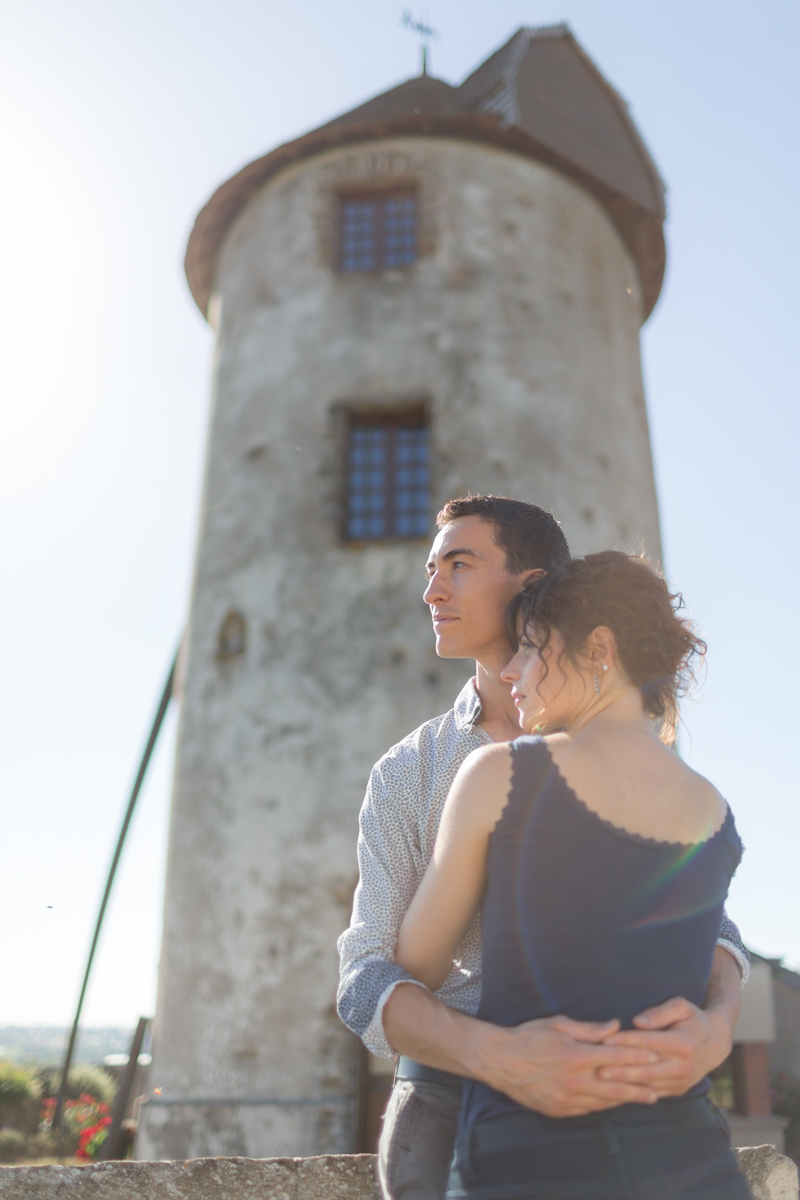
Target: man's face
469,589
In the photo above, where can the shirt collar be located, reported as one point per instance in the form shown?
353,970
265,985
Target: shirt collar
468,707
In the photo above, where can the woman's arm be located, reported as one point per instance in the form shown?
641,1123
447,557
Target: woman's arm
451,889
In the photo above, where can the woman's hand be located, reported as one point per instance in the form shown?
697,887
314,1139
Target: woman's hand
551,1065
688,1040
558,1067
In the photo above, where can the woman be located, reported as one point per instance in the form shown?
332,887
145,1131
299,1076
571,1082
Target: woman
603,863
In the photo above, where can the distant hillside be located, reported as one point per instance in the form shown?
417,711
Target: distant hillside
45,1045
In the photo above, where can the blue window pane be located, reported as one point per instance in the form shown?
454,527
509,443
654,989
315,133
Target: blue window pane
400,231
366,482
387,481
359,248
378,234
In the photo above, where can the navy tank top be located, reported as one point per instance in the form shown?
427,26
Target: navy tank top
583,918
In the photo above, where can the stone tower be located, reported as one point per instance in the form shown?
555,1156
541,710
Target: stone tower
438,292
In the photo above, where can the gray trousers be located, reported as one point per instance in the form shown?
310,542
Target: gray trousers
417,1141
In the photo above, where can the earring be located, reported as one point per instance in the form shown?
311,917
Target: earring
605,666
596,683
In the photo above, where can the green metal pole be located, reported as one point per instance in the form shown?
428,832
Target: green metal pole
163,705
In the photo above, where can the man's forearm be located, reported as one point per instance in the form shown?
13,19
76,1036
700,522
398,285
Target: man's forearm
423,1028
548,1065
723,997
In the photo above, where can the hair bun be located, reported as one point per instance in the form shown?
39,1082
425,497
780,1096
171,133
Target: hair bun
658,649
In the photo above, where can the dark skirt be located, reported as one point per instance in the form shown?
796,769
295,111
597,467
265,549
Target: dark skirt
678,1149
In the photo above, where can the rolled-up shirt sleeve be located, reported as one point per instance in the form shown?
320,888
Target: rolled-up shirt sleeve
390,869
731,940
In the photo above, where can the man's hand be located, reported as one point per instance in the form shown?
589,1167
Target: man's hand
548,1065
689,1041
555,1066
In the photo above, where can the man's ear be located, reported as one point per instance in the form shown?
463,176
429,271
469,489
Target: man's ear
531,576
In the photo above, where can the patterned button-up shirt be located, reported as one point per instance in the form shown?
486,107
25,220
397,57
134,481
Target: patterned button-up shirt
397,831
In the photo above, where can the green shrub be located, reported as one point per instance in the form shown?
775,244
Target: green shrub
44,1144
19,1097
18,1083
93,1081
66,1141
12,1145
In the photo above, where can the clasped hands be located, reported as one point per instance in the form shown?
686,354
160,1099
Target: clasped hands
566,1068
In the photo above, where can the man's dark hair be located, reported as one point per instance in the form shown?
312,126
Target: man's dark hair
530,537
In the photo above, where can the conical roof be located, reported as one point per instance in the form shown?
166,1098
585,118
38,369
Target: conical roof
539,95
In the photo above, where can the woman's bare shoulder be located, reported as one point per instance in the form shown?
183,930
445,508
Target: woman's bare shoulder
557,742
486,762
708,798
481,787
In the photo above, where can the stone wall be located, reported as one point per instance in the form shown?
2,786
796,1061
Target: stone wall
330,1177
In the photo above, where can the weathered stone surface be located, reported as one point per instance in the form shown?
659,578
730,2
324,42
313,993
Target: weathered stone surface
329,1177
771,1175
337,1177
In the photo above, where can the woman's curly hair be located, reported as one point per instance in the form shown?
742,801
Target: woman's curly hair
658,649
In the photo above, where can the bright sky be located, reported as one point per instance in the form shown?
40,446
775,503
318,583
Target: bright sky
119,121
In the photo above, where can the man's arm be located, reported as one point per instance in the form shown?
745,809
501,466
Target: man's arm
556,1066
689,1041
549,1065
388,877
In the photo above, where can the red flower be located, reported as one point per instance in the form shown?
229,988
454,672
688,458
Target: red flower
86,1136
85,1147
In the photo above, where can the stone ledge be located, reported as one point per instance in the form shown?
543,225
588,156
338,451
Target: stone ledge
329,1177
770,1175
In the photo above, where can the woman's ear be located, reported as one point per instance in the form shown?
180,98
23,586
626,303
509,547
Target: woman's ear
601,648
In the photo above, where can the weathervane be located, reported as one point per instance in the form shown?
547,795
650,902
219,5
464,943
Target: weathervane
425,32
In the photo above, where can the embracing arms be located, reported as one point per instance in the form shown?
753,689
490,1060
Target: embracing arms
686,1042
563,1068
551,1065
556,1066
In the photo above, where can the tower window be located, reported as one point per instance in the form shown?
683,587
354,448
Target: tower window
378,231
388,477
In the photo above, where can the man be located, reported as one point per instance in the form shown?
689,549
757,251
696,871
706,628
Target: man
485,551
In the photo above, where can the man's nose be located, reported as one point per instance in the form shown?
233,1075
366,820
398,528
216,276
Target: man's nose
435,590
